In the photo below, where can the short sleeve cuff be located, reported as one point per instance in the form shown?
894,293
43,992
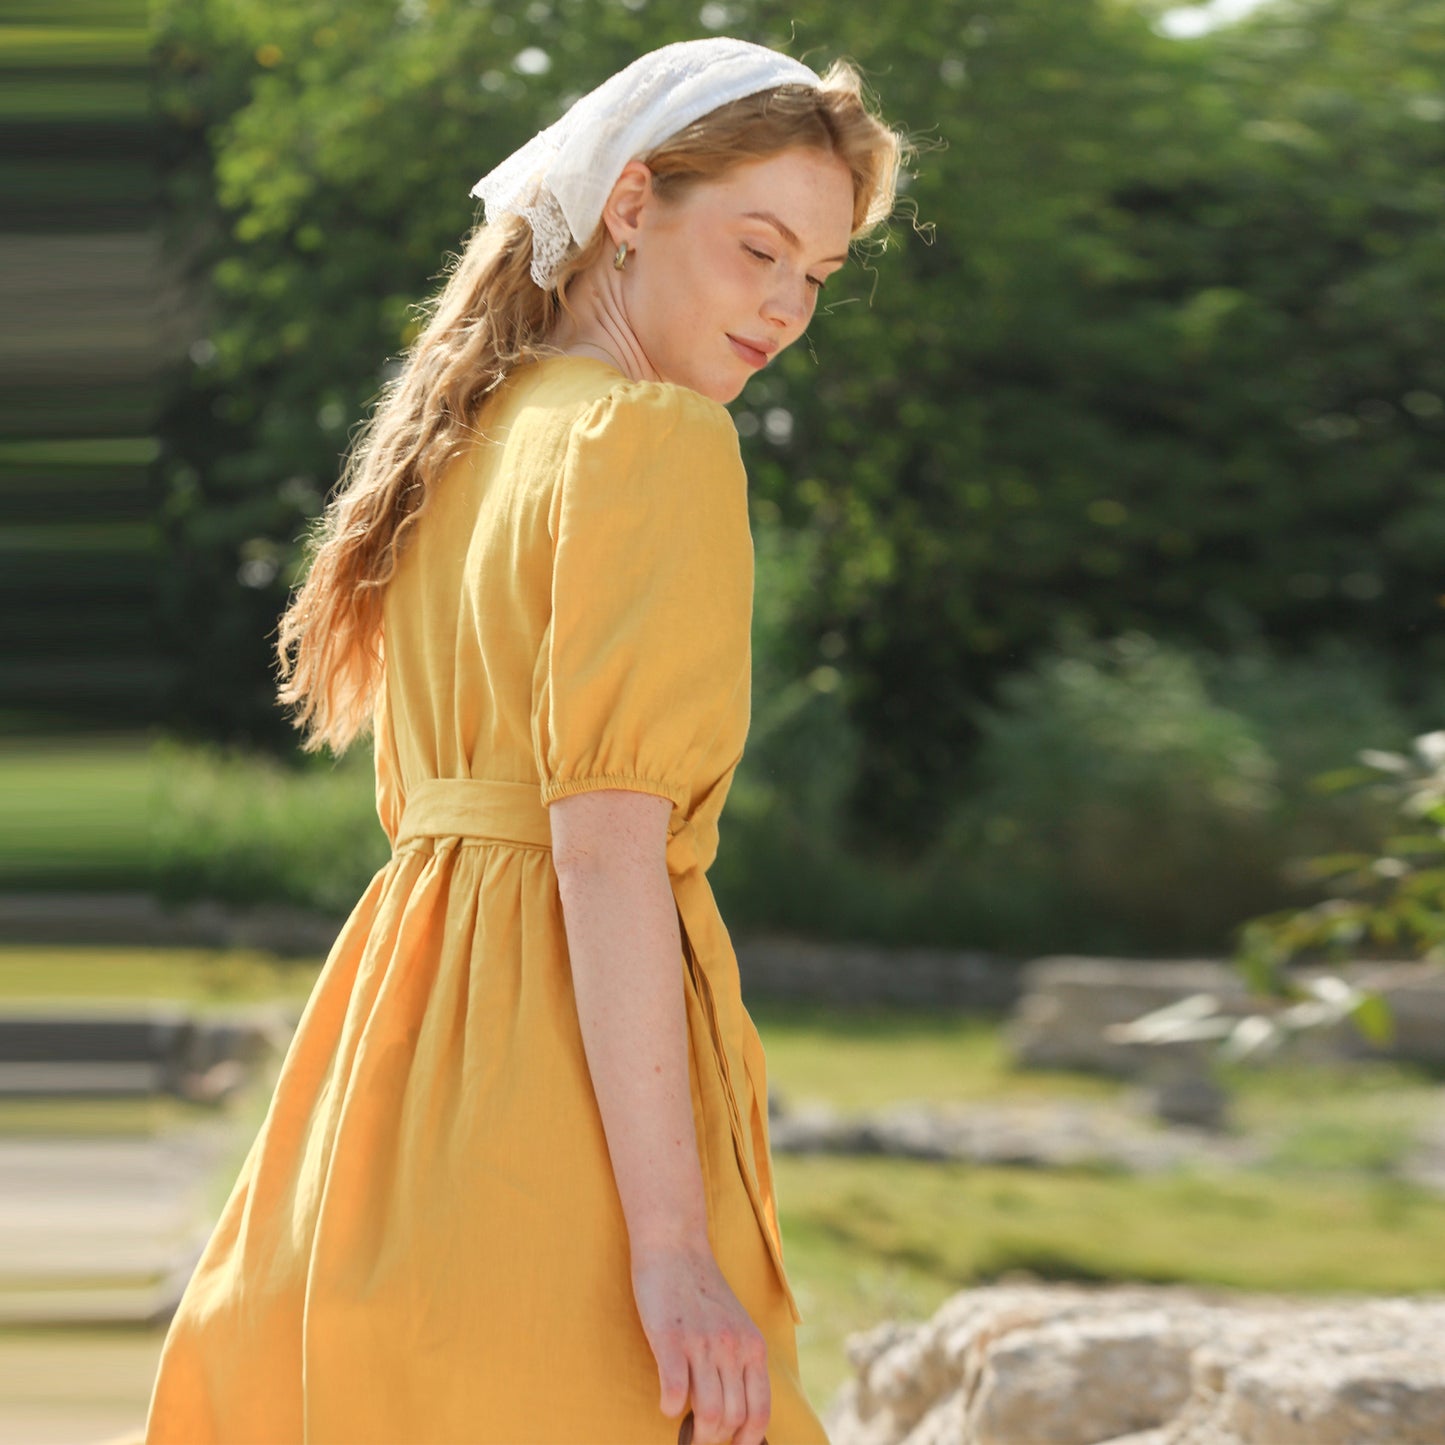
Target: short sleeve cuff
676,793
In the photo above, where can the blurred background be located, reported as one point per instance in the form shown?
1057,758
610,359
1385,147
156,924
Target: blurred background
1100,539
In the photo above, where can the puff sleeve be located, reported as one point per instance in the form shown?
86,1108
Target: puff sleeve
643,682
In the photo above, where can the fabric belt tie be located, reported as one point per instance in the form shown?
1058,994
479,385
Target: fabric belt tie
514,813
475,808
507,813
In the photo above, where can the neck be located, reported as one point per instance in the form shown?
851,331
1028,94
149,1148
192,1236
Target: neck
598,326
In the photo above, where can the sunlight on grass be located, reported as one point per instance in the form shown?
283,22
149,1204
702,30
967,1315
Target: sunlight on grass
147,813
867,1239
855,1059
1362,1117
197,977
76,807
122,1118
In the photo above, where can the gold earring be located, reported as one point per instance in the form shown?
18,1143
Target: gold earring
619,261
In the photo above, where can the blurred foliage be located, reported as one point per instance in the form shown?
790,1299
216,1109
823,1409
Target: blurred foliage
1123,800
243,828
1108,779
1389,900
1166,358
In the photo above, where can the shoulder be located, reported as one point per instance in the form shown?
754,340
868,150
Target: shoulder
655,458
584,403
657,446
654,415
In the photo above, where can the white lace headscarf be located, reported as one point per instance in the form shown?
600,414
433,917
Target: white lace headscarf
561,179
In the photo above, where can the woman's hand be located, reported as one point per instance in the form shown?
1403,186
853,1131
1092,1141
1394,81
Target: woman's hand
706,1345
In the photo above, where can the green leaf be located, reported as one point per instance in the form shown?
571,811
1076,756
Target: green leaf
1374,1018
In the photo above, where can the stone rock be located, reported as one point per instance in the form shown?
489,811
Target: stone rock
1416,996
1182,1086
1069,1004
858,975
1369,1378
1043,1134
1035,1364
1079,1381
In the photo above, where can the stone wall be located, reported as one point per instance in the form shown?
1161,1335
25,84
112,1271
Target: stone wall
851,975
1068,1003
854,975
1139,1365
138,920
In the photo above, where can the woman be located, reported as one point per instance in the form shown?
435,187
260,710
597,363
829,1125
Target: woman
514,1183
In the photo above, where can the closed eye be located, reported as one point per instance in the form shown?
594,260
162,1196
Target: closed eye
813,281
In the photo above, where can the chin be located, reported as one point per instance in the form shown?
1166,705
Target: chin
729,385
721,389
721,384
730,393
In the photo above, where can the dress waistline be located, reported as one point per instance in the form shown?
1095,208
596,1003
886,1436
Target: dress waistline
475,808
509,813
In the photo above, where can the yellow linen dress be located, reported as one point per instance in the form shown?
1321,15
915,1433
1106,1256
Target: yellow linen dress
425,1242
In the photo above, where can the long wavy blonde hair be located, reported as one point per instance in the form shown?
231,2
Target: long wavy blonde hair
488,318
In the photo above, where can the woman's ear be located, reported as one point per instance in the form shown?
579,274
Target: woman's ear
631,195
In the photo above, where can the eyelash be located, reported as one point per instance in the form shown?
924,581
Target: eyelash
816,284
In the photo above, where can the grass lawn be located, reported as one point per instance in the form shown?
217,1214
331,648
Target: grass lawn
145,812
853,1059
76,810
201,980
867,1239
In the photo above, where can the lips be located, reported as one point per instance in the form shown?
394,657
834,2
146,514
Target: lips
753,355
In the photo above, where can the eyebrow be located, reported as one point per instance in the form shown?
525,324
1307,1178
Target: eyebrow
785,231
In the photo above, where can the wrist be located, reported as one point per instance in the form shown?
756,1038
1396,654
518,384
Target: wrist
672,1237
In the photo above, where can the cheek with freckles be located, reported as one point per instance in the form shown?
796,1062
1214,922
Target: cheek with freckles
705,296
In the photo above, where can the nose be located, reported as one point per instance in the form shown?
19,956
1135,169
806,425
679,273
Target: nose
790,305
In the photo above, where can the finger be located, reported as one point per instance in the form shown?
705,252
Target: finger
734,1399
672,1376
707,1402
759,1391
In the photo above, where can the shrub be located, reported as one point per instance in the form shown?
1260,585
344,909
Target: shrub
243,828
1132,796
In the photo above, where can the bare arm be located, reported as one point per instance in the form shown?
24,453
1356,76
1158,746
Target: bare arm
609,847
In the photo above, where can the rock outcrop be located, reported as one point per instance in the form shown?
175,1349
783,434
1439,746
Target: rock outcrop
1070,1004
1045,1134
1148,1365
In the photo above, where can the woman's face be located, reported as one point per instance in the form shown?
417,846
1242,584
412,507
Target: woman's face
735,264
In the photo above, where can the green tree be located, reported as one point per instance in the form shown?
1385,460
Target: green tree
1168,359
